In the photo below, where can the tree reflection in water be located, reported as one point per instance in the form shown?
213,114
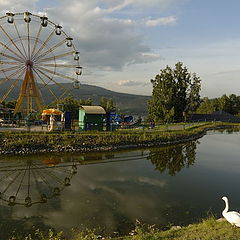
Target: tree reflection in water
173,158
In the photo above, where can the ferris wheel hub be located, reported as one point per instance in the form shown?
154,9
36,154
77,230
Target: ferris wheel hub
29,63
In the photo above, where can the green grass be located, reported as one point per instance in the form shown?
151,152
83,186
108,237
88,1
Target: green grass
208,229
16,141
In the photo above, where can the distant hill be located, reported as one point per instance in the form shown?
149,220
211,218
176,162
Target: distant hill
125,103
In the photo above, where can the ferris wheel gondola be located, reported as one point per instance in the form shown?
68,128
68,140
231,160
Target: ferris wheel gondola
35,55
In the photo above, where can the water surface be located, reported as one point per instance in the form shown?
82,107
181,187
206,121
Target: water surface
174,185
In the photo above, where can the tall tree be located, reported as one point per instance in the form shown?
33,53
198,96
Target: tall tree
107,104
175,92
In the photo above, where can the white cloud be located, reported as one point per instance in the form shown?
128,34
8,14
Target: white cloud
129,83
117,5
161,21
145,58
17,6
105,42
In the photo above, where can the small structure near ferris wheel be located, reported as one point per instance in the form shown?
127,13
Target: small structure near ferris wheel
35,54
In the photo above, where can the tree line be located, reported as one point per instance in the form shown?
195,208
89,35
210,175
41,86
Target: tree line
230,104
176,95
71,104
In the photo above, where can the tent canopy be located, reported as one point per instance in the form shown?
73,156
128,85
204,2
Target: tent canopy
52,111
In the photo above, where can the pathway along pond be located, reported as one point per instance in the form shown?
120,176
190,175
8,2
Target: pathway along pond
174,185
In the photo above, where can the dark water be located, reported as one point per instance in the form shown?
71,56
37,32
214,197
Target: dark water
177,185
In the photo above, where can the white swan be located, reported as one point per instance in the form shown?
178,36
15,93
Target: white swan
232,217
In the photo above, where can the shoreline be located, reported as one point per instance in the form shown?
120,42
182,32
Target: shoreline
22,143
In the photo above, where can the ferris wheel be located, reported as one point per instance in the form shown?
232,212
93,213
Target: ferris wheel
37,59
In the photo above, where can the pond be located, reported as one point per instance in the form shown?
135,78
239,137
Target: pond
173,185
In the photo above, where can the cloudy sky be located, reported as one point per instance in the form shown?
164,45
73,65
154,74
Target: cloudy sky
124,43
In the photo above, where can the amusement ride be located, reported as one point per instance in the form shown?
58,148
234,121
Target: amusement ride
35,55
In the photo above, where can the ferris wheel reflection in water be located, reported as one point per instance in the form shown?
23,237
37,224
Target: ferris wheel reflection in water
31,182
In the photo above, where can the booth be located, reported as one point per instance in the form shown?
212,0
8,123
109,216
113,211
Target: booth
54,119
92,118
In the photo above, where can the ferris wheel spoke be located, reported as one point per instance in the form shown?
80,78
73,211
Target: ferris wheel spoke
11,182
12,51
10,63
9,69
59,180
21,182
14,44
56,57
44,43
12,87
8,174
46,85
36,40
8,78
29,179
37,72
57,73
51,79
57,65
42,176
57,83
10,57
37,57
37,183
28,37
20,38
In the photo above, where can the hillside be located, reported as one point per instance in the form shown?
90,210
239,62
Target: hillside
126,103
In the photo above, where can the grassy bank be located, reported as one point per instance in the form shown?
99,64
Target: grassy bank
209,229
32,142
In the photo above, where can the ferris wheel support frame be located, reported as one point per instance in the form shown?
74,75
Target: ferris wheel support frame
30,92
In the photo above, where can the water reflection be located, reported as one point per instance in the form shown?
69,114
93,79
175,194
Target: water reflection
173,158
29,182
108,190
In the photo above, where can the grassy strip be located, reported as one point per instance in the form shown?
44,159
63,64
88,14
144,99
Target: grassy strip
86,141
208,229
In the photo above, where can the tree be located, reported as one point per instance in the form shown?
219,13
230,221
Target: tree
234,104
207,106
107,104
71,104
175,92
